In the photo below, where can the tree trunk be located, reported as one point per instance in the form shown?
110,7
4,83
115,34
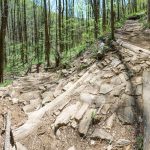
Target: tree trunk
47,42
112,21
104,16
2,37
148,13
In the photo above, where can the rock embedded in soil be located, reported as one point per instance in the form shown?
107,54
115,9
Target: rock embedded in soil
67,114
127,100
15,100
110,120
123,142
29,96
126,115
58,89
117,90
47,97
115,63
87,98
101,134
32,106
138,91
106,88
105,109
116,80
81,111
100,100
85,121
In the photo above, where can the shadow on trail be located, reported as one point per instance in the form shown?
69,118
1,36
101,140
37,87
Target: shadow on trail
138,110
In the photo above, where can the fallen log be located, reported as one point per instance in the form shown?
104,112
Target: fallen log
34,118
133,48
7,143
146,104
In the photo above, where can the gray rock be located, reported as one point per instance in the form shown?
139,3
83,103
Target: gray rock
127,100
126,115
129,89
101,134
117,90
116,80
136,69
139,89
67,114
100,100
81,111
110,120
115,63
47,97
85,122
32,106
123,77
105,109
92,89
108,74
138,80
86,97
58,89
15,100
106,88
123,142
29,96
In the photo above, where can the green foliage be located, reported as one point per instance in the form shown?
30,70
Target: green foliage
120,23
6,83
81,67
139,142
72,53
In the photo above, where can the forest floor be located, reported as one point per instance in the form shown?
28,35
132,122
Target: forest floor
94,105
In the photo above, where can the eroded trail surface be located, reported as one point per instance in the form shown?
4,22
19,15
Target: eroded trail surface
134,33
97,108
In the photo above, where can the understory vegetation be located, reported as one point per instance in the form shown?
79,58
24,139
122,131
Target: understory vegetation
52,33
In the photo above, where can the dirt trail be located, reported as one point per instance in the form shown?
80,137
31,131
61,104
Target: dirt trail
96,108
134,33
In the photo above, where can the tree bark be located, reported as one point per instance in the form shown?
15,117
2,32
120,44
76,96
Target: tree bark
112,20
148,13
47,42
2,37
104,16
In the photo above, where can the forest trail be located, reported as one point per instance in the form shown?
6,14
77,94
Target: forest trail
134,33
96,108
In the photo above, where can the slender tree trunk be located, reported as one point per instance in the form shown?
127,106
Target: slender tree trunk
118,10
104,16
67,25
95,7
47,42
25,33
112,21
57,55
2,37
60,25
